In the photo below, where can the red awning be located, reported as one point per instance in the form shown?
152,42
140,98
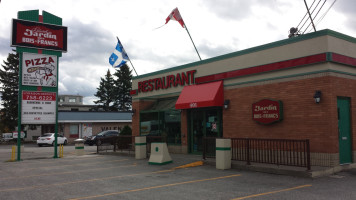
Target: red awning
202,95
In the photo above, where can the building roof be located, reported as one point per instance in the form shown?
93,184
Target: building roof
89,116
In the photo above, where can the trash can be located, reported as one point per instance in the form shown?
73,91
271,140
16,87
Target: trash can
79,147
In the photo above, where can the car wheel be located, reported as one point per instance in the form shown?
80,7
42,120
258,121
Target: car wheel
98,143
53,143
40,145
65,142
90,144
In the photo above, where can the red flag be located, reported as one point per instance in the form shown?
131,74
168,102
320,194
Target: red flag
175,15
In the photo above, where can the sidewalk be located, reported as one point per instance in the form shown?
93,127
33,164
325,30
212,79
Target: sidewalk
316,171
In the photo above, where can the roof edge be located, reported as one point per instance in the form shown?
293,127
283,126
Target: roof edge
255,49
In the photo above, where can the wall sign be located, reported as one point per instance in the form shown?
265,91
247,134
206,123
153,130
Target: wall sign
38,107
167,81
267,111
39,35
39,70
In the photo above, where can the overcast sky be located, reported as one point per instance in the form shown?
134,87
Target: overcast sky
217,27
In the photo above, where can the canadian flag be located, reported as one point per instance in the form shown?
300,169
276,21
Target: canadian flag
175,15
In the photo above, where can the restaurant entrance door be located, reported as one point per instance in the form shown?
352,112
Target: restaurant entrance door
203,122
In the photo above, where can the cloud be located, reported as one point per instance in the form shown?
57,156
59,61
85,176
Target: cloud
88,43
5,48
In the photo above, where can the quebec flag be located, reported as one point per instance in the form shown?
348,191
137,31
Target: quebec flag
119,57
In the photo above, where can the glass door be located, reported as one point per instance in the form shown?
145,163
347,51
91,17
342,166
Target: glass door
203,123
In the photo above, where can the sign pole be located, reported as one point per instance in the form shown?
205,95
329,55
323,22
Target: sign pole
19,109
38,55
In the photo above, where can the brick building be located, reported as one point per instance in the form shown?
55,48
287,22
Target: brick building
268,91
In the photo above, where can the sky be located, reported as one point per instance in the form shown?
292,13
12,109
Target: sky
217,27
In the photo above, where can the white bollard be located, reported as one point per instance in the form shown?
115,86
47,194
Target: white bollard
140,147
223,153
79,147
159,154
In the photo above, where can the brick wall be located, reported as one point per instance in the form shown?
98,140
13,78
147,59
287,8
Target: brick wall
303,118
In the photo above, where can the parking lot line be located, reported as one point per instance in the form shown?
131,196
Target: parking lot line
88,163
272,192
80,181
155,187
70,172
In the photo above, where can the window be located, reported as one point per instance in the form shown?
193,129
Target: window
72,100
162,123
74,130
61,100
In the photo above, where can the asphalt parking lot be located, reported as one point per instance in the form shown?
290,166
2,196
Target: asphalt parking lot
121,176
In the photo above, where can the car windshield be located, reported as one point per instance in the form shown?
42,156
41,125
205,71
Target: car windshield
47,135
102,133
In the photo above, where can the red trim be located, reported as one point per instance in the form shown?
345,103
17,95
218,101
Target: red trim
133,92
73,135
40,18
264,68
343,59
203,95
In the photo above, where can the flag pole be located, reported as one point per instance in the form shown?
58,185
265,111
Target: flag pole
128,57
192,40
133,67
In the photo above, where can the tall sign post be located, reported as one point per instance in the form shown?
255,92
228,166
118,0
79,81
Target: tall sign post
39,41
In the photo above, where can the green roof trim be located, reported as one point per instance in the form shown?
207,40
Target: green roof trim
256,49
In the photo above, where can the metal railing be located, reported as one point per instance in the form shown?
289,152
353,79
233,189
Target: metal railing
115,143
270,151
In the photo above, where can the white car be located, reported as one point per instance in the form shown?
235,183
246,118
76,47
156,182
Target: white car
48,139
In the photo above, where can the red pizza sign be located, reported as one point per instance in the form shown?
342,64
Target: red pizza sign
39,35
267,111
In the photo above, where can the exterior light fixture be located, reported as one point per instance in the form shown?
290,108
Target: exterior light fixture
317,96
226,103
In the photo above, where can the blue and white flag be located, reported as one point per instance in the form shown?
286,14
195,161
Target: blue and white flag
119,57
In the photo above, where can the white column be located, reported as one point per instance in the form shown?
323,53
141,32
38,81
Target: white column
223,153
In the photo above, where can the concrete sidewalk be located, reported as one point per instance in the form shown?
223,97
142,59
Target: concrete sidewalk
316,171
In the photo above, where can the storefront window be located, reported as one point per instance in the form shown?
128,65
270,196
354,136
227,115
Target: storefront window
73,130
162,123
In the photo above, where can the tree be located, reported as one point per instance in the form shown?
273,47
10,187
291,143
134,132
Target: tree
9,89
105,93
123,86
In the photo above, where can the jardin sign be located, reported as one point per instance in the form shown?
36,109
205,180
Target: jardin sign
267,111
39,35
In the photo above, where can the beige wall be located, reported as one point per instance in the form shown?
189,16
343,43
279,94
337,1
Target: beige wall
284,50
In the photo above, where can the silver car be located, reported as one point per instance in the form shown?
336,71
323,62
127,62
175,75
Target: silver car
48,139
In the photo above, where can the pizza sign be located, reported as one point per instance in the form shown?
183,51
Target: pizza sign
39,70
39,35
267,111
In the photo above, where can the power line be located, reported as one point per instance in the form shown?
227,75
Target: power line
306,14
310,14
315,16
322,17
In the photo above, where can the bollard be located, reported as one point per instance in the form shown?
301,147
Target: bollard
61,149
159,154
79,147
223,153
13,153
140,147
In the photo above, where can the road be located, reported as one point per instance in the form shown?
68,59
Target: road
121,176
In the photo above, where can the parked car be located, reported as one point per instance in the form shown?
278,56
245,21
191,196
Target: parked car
48,139
100,138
